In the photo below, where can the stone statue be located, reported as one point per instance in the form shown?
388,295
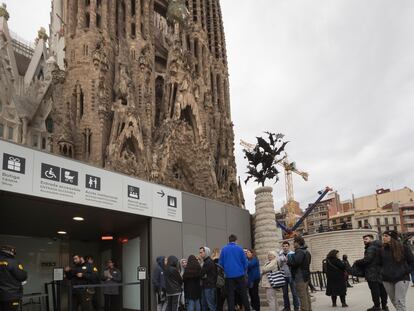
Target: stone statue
123,89
99,56
41,34
3,12
263,157
177,13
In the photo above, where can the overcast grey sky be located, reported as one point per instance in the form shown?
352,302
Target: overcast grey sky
335,76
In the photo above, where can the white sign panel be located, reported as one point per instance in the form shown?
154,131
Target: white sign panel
15,162
57,274
166,203
31,172
137,196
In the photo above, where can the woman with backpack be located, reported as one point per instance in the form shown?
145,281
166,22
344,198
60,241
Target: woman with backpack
397,261
221,293
253,279
270,266
192,284
335,276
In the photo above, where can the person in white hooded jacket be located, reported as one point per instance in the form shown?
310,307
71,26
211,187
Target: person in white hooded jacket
269,266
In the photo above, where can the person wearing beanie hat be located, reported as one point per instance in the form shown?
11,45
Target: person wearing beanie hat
208,280
397,261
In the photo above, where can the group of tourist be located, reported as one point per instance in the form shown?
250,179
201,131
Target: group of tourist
233,275
205,282
386,266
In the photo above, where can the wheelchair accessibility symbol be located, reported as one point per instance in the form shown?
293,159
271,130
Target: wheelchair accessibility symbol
50,172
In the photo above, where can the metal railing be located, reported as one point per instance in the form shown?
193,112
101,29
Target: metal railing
318,280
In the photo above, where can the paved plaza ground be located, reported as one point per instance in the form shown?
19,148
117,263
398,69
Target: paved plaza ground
358,299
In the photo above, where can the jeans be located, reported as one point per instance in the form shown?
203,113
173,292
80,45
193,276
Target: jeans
304,296
238,285
286,301
173,302
208,299
378,294
193,305
254,296
397,293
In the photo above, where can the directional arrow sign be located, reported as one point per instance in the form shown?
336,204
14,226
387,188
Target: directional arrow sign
161,193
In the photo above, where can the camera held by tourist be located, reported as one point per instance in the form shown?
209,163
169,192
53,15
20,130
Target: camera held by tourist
253,279
371,269
12,275
397,261
270,266
335,276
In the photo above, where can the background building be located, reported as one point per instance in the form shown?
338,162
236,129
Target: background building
336,221
318,219
407,217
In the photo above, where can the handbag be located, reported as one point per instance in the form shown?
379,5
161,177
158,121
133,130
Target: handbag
357,271
276,279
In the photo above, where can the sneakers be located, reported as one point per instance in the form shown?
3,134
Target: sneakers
374,309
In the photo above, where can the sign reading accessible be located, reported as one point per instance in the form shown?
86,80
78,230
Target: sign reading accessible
45,175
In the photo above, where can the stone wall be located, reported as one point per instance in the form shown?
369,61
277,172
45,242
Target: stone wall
347,242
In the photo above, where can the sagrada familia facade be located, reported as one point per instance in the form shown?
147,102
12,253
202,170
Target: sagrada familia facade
136,86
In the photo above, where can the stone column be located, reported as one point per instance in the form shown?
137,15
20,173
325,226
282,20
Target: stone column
265,224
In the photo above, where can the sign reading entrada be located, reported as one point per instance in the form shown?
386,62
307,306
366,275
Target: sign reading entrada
41,174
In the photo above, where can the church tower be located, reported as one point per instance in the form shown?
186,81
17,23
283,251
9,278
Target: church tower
146,93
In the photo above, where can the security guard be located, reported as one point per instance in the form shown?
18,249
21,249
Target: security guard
81,273
12,275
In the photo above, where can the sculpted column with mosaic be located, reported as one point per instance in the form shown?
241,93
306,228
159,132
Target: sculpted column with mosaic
263,158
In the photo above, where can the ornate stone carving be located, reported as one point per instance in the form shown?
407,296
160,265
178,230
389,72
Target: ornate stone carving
3,11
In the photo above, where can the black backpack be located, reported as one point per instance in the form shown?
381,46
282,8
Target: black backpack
221,279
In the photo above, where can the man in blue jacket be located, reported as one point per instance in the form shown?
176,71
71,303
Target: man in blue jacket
234,262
